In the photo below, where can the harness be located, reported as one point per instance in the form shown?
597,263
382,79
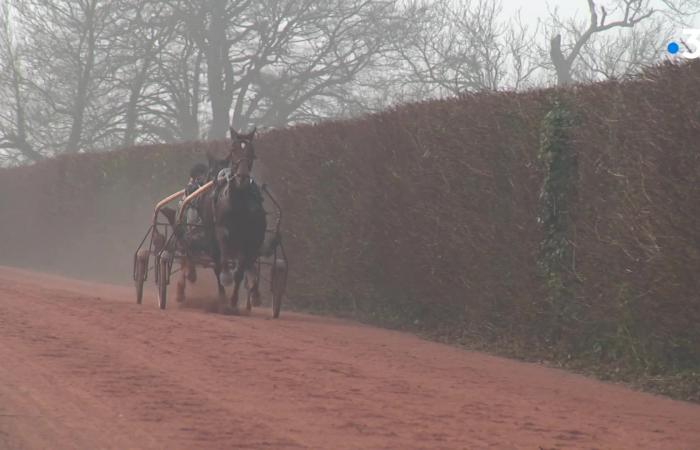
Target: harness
254,197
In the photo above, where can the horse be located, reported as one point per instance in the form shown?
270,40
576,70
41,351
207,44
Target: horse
206,244
234,224
239,221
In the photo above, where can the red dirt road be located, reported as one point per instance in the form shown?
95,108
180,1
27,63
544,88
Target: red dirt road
82,366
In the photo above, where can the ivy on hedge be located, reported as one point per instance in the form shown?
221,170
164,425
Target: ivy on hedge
557,202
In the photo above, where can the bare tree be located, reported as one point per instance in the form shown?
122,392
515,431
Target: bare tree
149,30
94,74
273,62
69,56
624,53
619,15
216,26
102,73
14,140
175,106
465,46
305,64
454,49
524,63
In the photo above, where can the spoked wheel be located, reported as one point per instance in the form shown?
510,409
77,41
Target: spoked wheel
163,276
140,270
279,285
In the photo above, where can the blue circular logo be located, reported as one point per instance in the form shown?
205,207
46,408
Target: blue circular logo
673,48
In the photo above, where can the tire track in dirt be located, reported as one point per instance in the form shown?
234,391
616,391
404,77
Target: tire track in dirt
84,367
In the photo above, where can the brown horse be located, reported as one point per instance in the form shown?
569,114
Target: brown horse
239,221
233,225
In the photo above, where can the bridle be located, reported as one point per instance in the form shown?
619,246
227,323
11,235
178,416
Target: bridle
249,158
228,185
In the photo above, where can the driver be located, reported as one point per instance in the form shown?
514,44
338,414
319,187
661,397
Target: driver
198,177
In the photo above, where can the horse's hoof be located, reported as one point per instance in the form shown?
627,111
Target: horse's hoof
229,310
192,276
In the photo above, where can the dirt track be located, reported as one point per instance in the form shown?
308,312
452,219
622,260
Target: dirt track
82,366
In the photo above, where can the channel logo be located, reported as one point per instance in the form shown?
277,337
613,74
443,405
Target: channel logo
692,43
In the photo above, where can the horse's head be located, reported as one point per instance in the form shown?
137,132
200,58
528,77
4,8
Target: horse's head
242,156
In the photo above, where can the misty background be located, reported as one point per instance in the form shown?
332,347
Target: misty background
92,75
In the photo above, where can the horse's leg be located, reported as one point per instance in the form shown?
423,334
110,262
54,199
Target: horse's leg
217,272
223,265
252,281
182,280
248,285
226,270
221,262
216,259
192,273
223,255
237,279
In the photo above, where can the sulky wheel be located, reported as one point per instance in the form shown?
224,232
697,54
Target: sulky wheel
163,275
140,270
279,285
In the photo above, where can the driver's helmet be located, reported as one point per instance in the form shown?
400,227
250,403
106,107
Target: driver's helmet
198,173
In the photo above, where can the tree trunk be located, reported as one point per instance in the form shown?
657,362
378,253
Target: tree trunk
130,131
84,78
219,69
562,65
191,127
21,143
131,107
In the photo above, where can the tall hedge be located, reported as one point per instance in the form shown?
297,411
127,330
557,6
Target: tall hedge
447,213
